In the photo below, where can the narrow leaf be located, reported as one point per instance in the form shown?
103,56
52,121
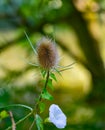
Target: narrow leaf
52,75
30,43
43,72
47,95
39,122
41,107
50,84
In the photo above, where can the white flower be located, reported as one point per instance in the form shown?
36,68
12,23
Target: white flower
56,116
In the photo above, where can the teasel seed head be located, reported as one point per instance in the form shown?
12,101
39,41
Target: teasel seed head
47,53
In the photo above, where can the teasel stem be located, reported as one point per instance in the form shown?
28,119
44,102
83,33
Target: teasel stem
45,86
36,108
47,78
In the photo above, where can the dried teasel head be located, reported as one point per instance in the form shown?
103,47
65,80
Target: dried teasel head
47,53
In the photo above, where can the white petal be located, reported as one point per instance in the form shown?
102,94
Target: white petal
56,116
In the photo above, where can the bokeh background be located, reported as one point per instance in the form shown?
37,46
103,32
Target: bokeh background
78,28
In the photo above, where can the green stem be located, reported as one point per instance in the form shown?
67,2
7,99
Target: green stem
40,97
47,78
33,111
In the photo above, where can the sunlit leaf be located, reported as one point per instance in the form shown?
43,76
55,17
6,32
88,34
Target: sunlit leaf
4,114
41,107
50,84
44,81
43,72
52,75
39,122
47,95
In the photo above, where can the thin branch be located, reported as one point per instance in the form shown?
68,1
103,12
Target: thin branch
12,120
21,120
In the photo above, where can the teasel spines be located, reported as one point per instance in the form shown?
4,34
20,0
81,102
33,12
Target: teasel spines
47,53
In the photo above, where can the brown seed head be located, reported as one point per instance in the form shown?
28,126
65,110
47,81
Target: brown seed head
47,53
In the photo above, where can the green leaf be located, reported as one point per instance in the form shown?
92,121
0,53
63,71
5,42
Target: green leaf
43,80
43,72
47,120
3,114
39,122
41,107
47,95
50,84
52,75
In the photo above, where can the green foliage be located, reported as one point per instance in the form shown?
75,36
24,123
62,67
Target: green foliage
51,78
3,114
33,16
39,122
47,95
42,107
50,84
52,75
43,72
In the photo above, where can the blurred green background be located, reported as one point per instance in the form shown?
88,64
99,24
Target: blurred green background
78,28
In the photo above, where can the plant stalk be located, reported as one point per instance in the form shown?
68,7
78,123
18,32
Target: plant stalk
36,108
